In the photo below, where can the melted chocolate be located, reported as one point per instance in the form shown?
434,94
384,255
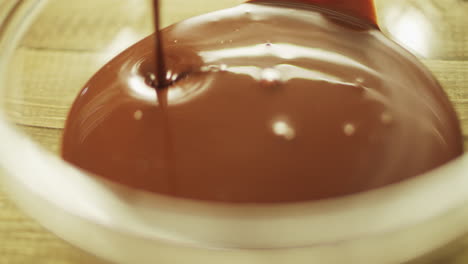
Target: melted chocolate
273,103
361,9
160,61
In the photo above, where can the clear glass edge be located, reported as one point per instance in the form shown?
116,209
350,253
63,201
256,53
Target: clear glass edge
155,217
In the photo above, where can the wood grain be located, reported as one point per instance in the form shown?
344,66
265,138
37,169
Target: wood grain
61,51
23,241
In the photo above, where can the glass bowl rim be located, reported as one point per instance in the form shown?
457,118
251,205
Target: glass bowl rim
152,216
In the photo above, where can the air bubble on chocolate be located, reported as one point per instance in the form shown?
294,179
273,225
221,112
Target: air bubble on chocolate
138,115
349,129
283,129
386,118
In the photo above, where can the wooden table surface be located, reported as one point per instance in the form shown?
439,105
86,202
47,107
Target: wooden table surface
41,110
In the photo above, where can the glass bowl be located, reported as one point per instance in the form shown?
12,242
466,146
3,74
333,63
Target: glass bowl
48,50
434,29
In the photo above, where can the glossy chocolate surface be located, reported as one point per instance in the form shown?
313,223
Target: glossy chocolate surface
270,103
